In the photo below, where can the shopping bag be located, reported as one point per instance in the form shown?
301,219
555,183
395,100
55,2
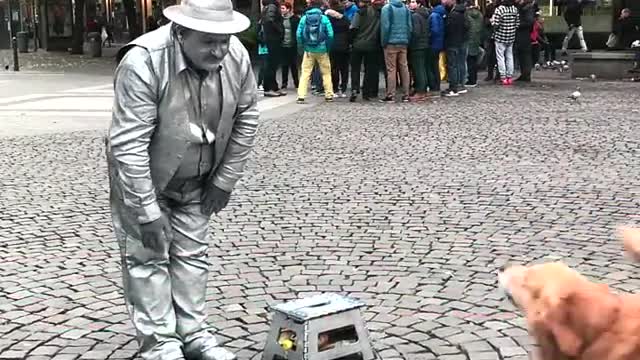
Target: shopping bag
481,55
442,65
612,41
103,35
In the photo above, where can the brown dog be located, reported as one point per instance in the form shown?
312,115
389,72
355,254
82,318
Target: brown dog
572,318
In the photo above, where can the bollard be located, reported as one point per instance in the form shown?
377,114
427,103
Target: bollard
14,44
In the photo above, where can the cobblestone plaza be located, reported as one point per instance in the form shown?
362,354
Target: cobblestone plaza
409,207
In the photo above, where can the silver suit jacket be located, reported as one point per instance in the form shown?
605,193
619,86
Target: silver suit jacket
150,125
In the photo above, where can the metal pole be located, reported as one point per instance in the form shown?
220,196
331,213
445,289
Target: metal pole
14,40
14,45
34,21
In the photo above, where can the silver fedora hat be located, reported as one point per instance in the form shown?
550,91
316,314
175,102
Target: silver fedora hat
209,16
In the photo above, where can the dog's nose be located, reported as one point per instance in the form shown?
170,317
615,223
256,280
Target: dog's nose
504,267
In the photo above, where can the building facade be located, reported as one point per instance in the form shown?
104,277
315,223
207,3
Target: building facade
51,22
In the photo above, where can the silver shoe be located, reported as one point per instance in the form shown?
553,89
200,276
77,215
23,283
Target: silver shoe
207,350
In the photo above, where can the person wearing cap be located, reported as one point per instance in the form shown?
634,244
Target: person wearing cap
184,124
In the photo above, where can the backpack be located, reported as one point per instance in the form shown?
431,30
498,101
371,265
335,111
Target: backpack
260,32
315,32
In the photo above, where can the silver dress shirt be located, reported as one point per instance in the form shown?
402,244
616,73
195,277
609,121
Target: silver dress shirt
150,131
204,99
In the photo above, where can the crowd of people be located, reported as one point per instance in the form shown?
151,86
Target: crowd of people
416,45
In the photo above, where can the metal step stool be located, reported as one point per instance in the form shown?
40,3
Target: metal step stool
310,328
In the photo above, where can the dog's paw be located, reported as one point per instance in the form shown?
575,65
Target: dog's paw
631,241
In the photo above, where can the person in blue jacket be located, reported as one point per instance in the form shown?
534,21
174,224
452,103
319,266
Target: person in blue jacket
395,33
350,10
436,41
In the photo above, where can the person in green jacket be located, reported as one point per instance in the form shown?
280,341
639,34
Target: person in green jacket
418,48
315,36
475,39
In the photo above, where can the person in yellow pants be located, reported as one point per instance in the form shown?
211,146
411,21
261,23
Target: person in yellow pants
315,35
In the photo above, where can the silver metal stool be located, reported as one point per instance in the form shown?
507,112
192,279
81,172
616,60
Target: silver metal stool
322,327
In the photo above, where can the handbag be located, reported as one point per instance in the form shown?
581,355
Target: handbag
103,35
612,41
442,65
481,55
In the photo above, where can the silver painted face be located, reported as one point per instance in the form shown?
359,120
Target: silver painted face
205,51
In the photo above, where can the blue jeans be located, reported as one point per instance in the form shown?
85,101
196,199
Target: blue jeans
316,79
504,56
456,63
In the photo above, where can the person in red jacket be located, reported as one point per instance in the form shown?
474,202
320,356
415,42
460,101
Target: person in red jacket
540,42
535,40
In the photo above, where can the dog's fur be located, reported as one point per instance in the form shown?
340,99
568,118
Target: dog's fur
572,318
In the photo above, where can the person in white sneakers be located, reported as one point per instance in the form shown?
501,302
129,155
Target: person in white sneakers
505,23
573,17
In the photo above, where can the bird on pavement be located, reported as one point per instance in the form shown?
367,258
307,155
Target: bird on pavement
575,95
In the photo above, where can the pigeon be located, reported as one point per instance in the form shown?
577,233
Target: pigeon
575,95
593,77
538,67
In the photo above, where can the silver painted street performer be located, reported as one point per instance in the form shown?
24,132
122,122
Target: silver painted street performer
184,124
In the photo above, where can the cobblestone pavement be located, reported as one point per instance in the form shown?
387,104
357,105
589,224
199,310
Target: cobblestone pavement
410,207
60,61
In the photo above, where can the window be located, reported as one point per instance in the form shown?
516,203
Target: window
594,7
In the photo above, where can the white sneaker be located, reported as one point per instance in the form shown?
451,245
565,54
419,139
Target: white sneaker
449,93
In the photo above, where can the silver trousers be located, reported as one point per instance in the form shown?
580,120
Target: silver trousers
165,290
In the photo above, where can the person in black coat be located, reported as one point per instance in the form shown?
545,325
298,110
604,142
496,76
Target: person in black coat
625,29
456,30
271,33
523,39
490,44
339,51
573,17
